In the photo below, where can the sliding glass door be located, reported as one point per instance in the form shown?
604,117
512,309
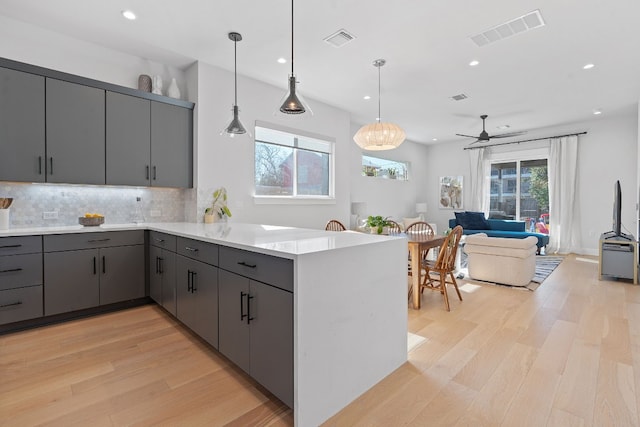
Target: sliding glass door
519,190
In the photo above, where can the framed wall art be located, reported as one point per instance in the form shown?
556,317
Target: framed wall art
450,192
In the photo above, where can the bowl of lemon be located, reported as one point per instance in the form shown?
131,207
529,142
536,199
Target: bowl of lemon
91,219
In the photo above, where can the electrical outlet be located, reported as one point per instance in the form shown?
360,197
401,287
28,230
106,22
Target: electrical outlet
50,215
156,213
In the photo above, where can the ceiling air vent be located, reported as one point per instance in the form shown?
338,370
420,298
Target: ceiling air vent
339,38
459,97
521,24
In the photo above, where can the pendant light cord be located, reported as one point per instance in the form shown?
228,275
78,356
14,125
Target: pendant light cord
379,115
291,37
235,70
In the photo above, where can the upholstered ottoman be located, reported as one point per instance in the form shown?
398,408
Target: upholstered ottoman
501,260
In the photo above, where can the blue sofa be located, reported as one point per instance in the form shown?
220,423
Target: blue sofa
499,228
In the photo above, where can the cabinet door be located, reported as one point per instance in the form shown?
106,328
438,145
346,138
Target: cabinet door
171,146
121,273
155,277
128,140
75,133
205,289
21,126
71,281
272,339
185,301
168,272
234,329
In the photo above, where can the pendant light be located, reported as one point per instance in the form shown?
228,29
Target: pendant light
235,127
293,103
379,136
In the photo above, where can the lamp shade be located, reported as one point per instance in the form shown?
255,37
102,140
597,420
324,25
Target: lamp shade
421,207
359,208
379,136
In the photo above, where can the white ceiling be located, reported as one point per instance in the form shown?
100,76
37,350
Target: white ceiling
528,81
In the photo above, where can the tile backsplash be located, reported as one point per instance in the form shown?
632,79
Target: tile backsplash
65,203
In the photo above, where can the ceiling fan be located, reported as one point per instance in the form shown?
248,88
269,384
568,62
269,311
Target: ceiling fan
485,137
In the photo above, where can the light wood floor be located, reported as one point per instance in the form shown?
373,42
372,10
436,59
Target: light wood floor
567,354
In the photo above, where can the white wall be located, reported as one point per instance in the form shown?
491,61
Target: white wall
608,152
229,162
388,197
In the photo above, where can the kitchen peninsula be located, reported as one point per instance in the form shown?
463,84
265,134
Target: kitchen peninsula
349,310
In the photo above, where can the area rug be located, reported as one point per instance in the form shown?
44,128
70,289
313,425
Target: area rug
544,267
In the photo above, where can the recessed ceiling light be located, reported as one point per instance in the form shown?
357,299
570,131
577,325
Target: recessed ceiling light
366,97
474,63
129,15
434,139
597,112
588,66
503,127
282,61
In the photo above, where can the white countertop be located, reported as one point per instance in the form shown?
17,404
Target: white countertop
286,242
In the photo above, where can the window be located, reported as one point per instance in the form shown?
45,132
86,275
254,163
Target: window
520,190
383,168
292,165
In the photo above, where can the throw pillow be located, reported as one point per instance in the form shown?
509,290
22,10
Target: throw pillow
472,220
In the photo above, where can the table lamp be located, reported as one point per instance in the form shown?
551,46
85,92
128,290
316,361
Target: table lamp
421,209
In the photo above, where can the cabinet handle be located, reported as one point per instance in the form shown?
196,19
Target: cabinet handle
154,173
244,264
10,246
51,165
12,304
191,249
94,266
249,318
104,265
98,240
147,168
13,270
193,282
242,315
159,240
39,165
189,281
161,265
157,265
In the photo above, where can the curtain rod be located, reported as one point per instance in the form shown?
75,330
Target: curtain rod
525,140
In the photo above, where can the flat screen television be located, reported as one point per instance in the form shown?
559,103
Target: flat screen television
617,209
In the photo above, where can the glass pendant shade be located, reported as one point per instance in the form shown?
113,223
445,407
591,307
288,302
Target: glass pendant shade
235,127
379,136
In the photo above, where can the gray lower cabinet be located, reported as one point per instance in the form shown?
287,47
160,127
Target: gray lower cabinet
20,278
75,132
197,302
22,129
256,319
85,270
162,277
171,146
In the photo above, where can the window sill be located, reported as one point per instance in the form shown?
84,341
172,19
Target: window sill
279,200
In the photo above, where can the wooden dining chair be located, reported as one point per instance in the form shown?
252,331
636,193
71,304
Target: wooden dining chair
422,228
393,227
439,271
335,225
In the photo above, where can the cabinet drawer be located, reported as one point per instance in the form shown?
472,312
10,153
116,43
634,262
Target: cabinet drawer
67,242
162,240
20,245
195,249
17,271
264,268
20,304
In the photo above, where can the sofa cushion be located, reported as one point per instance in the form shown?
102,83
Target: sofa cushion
505,225
472,220
408,221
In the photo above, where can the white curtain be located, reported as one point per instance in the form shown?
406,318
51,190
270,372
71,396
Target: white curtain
479,177
564,220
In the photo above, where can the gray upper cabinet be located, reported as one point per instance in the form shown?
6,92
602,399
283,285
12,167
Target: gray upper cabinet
22,130
75,133
171,146
128,140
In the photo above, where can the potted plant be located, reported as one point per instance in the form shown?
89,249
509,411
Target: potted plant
377,223
219,209
392,172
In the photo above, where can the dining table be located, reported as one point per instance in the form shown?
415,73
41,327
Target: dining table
419,242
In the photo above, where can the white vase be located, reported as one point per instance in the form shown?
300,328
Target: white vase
157,85
4,219
173,90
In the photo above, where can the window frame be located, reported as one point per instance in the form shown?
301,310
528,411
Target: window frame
296,198
402,177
